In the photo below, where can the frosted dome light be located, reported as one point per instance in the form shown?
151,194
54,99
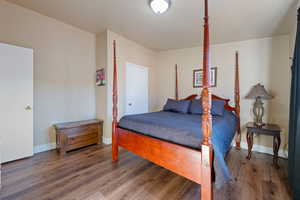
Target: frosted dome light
160,6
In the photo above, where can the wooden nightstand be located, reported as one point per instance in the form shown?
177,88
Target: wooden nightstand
268,129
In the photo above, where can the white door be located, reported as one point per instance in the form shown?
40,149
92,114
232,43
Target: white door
16,100
136,89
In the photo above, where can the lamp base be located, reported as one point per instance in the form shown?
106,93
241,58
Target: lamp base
258,111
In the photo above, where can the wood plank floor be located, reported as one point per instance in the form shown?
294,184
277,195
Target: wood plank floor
88,174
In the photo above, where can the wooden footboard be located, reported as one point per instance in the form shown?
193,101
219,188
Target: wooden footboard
176,158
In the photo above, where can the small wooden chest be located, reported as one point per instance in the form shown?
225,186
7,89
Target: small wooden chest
73,135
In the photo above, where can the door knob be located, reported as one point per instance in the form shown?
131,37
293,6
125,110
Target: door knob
28,108
130,104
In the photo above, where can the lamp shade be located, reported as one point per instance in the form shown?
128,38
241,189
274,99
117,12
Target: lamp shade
258,91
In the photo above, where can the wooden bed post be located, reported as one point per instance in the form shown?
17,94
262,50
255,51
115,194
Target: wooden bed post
176,82
115,149
237,100
207,152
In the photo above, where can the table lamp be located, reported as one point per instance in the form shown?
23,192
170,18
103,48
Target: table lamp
258,92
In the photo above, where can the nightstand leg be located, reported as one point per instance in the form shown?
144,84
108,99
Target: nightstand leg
276,145
250,144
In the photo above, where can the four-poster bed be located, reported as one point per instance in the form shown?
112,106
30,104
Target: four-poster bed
192,162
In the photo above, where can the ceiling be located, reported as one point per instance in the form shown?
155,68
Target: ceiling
180,27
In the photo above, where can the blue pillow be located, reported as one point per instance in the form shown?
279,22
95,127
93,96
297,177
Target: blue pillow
196,107
181,106
217,107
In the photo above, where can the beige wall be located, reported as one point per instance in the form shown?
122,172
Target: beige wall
64,67
127,51
65,60
263,61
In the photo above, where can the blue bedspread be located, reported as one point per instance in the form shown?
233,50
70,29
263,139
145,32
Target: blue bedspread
185,129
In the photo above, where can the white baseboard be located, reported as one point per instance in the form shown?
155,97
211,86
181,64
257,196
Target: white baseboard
44,147
264,149
106,140
51,146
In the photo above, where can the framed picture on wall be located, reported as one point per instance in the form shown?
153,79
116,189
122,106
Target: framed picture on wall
100,77
198,77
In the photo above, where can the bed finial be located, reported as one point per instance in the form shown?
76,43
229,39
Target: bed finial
237,100
115,107
176,82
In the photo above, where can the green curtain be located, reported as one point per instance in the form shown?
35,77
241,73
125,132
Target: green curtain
294,126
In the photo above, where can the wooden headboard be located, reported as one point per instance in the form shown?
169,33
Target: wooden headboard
235,109
226,106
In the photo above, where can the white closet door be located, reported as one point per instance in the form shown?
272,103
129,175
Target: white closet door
16,101
137,89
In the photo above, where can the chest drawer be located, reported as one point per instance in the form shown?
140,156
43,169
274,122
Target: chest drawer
81,138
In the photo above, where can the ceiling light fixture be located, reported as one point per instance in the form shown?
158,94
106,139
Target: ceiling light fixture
160,6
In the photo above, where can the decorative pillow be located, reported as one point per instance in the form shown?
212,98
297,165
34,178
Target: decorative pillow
195,107
181,106
217,107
